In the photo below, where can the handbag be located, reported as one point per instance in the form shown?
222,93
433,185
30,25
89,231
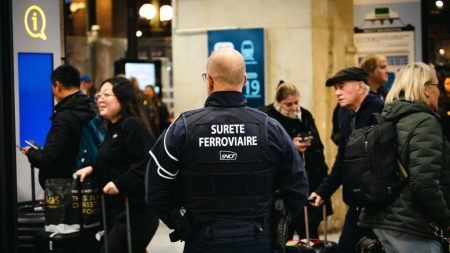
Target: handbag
70,204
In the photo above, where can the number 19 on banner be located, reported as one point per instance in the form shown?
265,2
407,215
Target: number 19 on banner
252,88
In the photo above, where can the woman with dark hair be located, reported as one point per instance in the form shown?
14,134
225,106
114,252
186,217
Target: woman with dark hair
121,166
157,112
299,124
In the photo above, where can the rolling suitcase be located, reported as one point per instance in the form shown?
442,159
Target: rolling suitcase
30,220
314,245
80,241
105,225
325,246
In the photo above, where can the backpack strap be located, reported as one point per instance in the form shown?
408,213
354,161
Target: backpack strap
380,119
402,169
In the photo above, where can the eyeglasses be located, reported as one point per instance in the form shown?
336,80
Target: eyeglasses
432,84
104,95
205,77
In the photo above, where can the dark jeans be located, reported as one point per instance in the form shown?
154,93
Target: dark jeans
143,226
351,233
230,237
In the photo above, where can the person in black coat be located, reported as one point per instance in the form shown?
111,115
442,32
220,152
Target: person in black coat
299,124
73,108
352,94
121,166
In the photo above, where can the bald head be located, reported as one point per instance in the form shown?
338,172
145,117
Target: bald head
226,67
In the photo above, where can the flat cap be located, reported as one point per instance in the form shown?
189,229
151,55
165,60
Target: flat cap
348,74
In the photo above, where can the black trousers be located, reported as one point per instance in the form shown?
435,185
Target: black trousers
143,225
351,233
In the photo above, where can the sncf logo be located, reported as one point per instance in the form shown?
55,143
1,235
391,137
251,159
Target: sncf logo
227,155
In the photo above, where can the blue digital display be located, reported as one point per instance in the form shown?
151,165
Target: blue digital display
250,43
35,96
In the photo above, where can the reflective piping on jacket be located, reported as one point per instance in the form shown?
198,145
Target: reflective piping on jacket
169,176
165,146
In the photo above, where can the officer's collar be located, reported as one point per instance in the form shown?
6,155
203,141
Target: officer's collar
226,99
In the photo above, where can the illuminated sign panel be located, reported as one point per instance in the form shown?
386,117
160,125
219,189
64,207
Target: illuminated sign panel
35,22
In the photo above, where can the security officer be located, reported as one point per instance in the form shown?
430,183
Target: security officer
213,172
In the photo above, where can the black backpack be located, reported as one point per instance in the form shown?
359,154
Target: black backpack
92,135
373,174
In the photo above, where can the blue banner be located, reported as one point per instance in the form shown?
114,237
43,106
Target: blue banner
250,42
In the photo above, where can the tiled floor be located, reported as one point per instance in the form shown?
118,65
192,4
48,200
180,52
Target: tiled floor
161,243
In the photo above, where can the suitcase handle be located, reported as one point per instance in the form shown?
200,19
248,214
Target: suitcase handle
324,213
127,215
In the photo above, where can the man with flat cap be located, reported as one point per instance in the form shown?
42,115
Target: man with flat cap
213,172
352,93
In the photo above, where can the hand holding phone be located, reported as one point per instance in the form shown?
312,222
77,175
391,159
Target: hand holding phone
19,147
33,144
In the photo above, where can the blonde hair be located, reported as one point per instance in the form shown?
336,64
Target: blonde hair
410,82
284,90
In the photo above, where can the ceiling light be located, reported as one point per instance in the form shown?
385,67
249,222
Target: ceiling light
166,13
147,11
439,4
441,51
74,7
138,34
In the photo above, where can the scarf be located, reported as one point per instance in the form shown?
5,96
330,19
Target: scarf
291,115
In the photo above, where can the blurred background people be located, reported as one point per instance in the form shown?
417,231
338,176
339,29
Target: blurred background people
404,226
376,66
157,111
444,104
87,86
121,165
299,124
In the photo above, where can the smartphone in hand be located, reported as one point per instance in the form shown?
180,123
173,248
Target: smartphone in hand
33,144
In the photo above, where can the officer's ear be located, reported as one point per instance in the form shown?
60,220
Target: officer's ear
245,80
210,84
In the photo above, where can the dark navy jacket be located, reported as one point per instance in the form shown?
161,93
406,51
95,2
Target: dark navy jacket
362,118
168,157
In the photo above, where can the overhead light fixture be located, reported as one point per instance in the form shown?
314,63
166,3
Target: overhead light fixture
441,51
147,11
439,4
166,13
74,7
138,34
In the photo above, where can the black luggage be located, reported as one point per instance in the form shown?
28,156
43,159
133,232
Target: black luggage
30,220
325,246
81,241
318,246
105,225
